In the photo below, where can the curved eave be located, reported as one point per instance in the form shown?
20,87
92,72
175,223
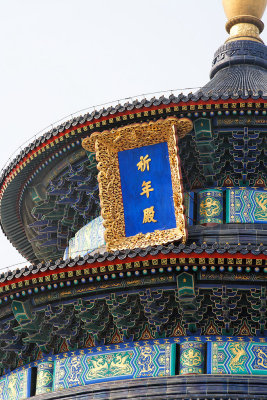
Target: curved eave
20,172
102,267
110,117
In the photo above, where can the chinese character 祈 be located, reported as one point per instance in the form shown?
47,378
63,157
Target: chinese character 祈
143,163
149,214
146,188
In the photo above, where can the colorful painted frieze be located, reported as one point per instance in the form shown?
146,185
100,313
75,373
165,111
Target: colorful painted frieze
192,358
16,386
44,383
210,206
240,120
136,362
246,205
243,358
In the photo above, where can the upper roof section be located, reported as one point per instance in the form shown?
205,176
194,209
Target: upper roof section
50,190
239,66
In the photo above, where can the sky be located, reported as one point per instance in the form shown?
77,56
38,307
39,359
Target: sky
61,56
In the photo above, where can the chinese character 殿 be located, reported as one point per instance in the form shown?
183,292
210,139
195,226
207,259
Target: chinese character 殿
149,214
143,164
146,188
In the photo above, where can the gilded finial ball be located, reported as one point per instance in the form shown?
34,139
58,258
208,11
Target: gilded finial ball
235,8
244,19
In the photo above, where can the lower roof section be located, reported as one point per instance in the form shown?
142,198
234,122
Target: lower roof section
98,263
198,387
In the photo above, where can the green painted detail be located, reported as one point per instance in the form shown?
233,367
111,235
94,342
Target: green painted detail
246,205
188,304
210,206
15,386
206,147
203,128
22,311
43,208
228,199
44,381
173,359
191,358
109,365
55,214
137,362
239,358
185,284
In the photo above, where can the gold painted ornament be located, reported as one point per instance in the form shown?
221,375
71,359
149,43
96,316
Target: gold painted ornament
107,145
244,19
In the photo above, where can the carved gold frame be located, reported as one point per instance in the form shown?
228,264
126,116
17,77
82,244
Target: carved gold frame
107,144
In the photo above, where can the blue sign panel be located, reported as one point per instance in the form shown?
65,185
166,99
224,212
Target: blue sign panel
146,189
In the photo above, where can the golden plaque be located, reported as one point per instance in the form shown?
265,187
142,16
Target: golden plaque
140,185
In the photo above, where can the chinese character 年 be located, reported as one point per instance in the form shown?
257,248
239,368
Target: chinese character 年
146,188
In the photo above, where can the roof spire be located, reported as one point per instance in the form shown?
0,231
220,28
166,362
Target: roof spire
244,19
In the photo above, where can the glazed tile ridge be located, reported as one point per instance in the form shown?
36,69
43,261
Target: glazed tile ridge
148,251
135,105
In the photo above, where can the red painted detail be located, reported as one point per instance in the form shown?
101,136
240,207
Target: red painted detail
129,260
162,106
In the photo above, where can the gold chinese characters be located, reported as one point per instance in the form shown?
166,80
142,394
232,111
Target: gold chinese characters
149,212
144,163
107,146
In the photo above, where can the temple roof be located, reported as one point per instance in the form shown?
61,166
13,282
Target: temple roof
240,65
242,79
238,68
46,194
135,106
223,249
52,171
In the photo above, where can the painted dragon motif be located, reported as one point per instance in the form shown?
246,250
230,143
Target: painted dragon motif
261,211
237,362
262,358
